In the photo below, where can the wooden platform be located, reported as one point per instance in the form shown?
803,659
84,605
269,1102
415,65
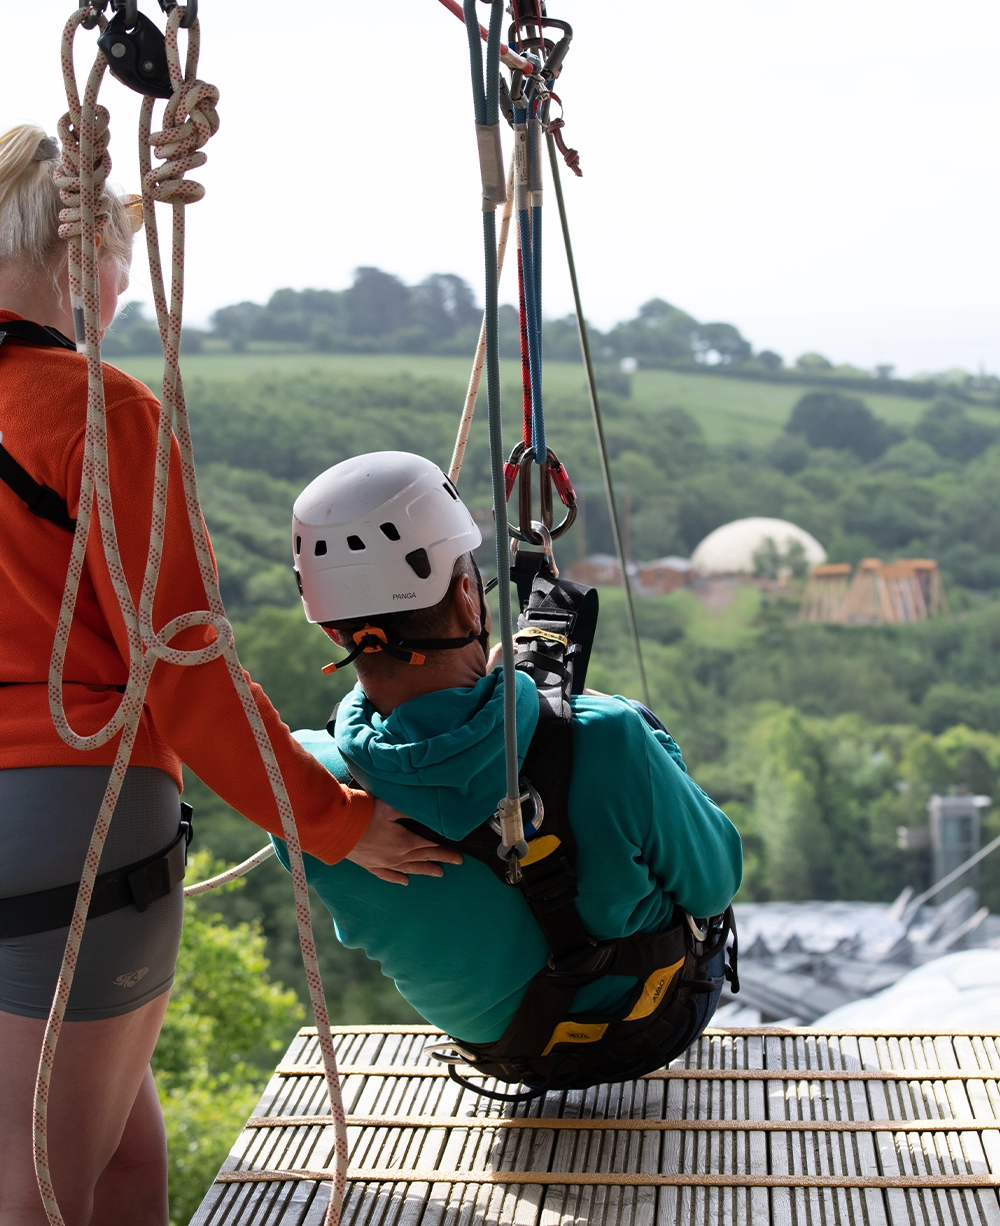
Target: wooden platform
761,1126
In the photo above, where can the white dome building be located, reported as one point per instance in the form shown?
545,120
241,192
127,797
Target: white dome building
730,550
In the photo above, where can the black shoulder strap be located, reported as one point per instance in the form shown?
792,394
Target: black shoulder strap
39,499
548,649
35,334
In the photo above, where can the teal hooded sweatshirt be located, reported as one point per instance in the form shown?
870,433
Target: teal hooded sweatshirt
463,948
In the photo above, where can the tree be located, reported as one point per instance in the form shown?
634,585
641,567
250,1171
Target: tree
660,332
722,343
224,1026
946,427
443,303
770,360
813,362
844,423
378,303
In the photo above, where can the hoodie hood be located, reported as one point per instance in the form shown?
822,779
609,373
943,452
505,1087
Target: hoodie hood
438,758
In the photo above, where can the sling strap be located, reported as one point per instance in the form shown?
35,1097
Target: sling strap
39,499
139,884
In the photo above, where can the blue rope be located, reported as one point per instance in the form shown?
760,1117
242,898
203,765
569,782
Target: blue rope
529,228
538,413
484,99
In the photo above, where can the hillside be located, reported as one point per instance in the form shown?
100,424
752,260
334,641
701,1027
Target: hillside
728,409
818,740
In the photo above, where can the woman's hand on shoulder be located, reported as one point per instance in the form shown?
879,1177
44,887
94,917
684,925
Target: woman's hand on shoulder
390,852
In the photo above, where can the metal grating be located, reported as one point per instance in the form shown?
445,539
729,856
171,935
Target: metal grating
761,1126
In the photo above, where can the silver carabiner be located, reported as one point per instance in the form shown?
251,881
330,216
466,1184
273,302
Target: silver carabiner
546,536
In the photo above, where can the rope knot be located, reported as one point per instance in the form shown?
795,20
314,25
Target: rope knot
68,177
189,121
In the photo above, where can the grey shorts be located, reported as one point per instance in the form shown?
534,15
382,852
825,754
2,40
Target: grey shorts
127,958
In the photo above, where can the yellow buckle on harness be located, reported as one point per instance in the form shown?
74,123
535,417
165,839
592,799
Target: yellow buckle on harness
536,632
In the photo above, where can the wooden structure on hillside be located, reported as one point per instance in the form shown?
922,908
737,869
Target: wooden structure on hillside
657,578
909,590
826,593
752,1127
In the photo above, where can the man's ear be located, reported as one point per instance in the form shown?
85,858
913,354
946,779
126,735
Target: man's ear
336,635
465,605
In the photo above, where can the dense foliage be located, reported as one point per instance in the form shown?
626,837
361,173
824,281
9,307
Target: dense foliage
747,683
935,493
225,1023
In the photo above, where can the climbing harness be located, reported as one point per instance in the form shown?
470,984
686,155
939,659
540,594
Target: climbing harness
189,120
138,885
545,1047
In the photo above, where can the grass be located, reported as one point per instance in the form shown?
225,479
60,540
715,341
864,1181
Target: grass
721,628
729,410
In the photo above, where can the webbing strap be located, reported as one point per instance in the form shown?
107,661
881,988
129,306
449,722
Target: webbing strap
139,884
39,499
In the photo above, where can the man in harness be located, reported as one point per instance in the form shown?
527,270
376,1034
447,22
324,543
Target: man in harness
602,956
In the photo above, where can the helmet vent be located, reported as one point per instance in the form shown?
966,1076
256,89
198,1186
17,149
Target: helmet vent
419,563
319,549
450,489
355,543
391,531
298,544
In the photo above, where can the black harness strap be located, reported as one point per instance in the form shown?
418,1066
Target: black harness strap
139,884
39,499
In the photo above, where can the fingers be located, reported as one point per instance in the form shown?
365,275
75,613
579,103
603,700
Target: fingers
423,868
387,874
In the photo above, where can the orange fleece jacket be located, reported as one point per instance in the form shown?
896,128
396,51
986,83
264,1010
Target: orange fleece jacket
191,714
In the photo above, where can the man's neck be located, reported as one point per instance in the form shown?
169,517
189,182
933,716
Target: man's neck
444,670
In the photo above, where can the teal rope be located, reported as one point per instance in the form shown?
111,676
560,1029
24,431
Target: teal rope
486,101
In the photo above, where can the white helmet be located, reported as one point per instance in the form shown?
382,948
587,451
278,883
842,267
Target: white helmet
378,534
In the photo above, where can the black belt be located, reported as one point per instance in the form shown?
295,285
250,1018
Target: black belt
93,685
139,885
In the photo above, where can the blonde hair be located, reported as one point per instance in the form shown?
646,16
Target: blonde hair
30,204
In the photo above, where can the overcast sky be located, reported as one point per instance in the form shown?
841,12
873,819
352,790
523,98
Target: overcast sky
822,175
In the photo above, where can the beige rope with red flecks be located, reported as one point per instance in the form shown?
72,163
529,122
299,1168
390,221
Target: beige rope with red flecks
479,361
189,120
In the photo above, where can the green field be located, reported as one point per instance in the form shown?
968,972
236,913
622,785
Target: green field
729,410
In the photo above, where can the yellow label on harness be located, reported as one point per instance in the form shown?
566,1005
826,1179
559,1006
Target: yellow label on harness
541,847
653,990
536,632
576,1032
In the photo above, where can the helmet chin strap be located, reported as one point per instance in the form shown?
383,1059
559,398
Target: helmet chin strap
371,638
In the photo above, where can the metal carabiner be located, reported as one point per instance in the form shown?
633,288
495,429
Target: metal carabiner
96,8
544,539
521,459
190,12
